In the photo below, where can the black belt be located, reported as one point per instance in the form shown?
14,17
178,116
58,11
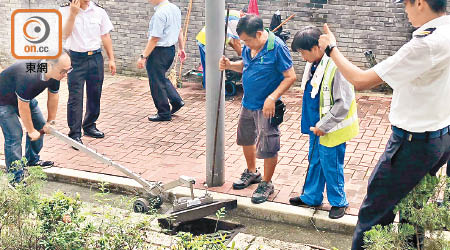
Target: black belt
420,136
165,47
88,53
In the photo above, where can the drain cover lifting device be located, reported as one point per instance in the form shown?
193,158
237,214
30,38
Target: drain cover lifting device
183,209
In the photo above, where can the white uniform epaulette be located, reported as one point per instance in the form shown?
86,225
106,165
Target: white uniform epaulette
68,4
425,33
99,5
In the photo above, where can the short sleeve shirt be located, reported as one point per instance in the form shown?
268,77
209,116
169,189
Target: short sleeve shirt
263,73
17,81
165,24
89,26
419,74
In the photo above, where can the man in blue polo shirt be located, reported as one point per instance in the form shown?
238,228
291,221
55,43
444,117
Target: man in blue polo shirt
19,85
267,74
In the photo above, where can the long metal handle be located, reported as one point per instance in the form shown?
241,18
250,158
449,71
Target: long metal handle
148,187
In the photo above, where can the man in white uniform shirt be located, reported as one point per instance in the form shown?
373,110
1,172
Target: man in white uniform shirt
164,32
86,27
419,74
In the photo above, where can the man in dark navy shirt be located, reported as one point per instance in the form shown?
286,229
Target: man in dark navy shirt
19,85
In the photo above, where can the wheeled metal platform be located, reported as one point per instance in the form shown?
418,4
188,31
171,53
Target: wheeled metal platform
183,209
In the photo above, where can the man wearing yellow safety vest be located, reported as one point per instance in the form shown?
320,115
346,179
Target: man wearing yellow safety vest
232,37
330,119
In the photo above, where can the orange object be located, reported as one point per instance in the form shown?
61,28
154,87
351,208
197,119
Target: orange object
66,218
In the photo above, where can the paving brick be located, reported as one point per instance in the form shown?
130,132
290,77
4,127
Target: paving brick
284,194
359,175
164,151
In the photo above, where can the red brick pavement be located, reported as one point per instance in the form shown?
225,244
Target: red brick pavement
163,151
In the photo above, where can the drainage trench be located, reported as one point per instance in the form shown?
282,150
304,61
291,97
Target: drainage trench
234,222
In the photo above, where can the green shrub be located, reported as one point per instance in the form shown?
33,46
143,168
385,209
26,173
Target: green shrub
215,241
421,214
62,227
31,222
186,241
19,228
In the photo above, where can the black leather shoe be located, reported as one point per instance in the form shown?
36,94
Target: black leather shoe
337,212
157,118
297,201
77,139
93,132
43,164
176,107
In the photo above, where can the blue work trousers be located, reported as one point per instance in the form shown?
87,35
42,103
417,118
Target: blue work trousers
326,167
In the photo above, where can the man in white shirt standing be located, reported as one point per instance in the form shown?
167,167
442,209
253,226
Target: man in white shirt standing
419,74
86,27
164,32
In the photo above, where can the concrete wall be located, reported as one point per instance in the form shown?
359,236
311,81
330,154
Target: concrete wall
360,25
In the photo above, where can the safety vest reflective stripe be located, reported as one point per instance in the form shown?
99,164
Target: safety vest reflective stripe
326,98
346,129
346,122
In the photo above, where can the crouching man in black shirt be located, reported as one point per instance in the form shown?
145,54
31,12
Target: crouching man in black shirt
19,85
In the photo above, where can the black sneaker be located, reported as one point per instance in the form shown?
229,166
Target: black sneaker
337,212
43,164
262,193
247,178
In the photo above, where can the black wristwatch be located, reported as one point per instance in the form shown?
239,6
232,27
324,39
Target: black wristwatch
143,57
329,48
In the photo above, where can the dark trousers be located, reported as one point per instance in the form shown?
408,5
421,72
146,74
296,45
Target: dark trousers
161,88
87,69
13,133
401,167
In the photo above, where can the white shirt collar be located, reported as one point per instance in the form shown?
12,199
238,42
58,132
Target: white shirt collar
433,24
161,4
